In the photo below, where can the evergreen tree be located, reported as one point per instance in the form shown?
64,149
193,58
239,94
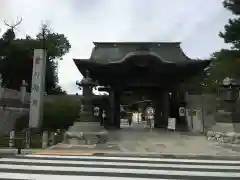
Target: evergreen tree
16,58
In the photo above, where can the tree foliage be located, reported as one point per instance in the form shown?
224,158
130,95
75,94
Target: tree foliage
226,62
232,29
17,58
232,33
233,6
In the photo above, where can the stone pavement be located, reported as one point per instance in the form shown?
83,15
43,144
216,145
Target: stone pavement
136,139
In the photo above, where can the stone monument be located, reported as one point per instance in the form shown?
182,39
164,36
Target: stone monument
86,129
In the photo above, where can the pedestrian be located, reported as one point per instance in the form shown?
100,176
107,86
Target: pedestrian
130,121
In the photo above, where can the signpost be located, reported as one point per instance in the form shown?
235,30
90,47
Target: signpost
181,112
150,116
38,88
96,111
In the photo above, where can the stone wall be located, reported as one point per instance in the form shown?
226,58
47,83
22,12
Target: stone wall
13,105
224,137
207,106
8,118
201,110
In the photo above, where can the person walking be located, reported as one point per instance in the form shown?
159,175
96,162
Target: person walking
130,121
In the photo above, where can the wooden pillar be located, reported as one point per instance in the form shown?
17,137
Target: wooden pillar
111,109
165,101
114,114
158,103
117,109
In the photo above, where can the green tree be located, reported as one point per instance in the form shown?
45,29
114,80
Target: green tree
17,58
226,62
232,29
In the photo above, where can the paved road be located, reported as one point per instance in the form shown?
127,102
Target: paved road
115,168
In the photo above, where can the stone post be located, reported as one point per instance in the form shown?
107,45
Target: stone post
27,139
1,87
52,139
45,140
114,108
23,91
11,139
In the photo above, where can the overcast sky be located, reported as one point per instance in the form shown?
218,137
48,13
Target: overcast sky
196,23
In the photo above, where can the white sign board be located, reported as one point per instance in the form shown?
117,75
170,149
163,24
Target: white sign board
124,122
96,111
38,88
181,111
150,111
172,123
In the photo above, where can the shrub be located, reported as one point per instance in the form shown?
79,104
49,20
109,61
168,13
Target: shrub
59,113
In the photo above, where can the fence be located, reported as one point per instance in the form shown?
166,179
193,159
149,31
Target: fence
26,140
14,94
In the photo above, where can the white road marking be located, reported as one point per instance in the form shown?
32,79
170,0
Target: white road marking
153,159
63,162
60,177
121,170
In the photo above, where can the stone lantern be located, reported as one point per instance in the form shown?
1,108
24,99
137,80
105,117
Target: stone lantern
229,94
86,129
230,89
86,111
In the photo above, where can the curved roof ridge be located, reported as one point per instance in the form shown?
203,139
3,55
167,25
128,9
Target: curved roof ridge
184,53
136,42
141,53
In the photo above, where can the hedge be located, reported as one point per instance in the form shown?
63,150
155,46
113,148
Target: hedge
57,114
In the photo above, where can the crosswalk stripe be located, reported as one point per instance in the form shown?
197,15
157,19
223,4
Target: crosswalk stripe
141,159
61,177
118,170
115,168
57,162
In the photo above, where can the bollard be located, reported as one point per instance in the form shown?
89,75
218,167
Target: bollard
27,139
52,139
45,140
11,139
19,151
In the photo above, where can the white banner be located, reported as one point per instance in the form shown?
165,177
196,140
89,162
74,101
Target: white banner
38,88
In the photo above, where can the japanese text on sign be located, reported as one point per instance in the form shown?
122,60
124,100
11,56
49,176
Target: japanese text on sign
37,60
35,88
36,74
34,102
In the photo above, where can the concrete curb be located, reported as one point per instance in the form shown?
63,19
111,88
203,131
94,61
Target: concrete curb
122,154
14,151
